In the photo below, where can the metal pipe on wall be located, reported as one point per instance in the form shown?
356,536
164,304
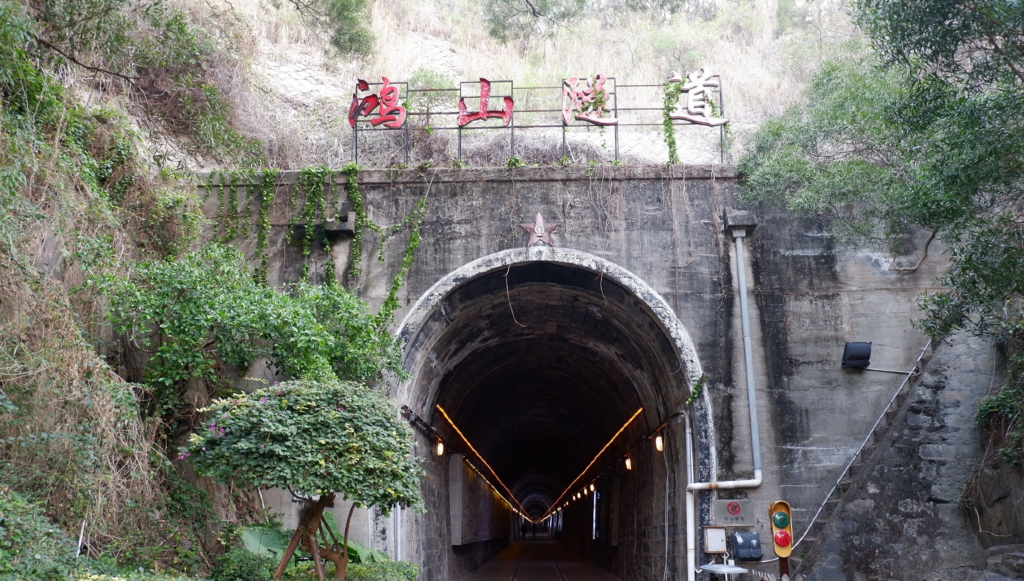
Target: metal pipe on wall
755,441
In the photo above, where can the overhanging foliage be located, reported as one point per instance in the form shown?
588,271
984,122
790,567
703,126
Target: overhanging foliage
883,153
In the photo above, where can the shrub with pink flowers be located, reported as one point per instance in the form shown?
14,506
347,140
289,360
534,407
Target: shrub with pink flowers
314,438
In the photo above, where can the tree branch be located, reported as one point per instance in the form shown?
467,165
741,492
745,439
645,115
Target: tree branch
1009,62
80,63
921,260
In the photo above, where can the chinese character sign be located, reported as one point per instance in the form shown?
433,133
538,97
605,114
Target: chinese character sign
389,112
696,108
465,117
587,98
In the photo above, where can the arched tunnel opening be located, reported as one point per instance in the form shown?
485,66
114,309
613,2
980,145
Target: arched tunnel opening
538,365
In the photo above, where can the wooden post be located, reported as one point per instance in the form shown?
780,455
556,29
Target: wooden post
292,545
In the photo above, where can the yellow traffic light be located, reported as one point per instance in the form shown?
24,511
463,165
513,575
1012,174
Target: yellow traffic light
782,527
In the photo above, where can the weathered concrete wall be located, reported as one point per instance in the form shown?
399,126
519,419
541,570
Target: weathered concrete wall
664,226
478,513
902,520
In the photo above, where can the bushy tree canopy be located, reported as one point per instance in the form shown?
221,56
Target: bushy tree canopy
929,137
313,438
192,312
973,44
344,23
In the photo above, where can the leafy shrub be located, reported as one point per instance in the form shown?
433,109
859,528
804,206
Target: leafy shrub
388,571
209,308
31,547
314,437
174,221
131,576
242,565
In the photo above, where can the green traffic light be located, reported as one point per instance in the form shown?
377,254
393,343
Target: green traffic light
780,519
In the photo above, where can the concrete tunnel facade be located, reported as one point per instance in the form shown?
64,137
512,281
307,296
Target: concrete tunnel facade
635,300
539,356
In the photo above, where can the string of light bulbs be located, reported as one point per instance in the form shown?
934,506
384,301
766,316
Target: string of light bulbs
659,445
557,505
554,505
480,456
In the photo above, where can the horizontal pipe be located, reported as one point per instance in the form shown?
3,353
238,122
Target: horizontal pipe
728,484
911,372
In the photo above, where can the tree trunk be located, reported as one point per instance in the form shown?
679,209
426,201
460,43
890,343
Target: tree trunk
305,533
343,570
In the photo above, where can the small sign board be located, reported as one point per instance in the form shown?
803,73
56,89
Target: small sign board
734,513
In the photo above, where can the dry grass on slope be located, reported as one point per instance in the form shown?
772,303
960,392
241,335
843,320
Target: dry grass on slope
298,98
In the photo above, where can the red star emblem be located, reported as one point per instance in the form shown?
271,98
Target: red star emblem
539,231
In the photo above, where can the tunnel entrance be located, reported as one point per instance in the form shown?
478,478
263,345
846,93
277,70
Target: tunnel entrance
539,356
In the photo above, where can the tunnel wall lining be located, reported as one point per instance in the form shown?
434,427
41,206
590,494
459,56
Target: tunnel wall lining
431,300
419,352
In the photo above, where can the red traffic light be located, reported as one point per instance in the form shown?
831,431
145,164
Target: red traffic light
781,518
782,538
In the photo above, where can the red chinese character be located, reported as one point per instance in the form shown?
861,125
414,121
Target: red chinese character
389,112
587,98
465,118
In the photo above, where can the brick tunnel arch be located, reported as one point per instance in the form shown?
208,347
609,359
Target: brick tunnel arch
540,355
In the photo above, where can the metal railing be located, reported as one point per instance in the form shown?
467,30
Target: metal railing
535,133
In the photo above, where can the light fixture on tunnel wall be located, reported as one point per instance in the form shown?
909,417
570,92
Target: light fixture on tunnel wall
483,461
439,449
591,487
659,443
857,355
629,463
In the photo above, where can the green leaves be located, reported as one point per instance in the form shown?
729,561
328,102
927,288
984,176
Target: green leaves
31,547
882,152
205,308
312,437
973,44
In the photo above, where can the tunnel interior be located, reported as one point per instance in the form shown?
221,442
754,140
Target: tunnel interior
539,364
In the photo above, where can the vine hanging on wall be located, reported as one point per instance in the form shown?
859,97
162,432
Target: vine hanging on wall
266,190
316,187
314,210
672,93
696,390
362,222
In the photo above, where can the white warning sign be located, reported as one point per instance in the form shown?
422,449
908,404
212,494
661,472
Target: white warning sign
734,513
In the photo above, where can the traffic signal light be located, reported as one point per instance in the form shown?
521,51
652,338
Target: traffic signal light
782,527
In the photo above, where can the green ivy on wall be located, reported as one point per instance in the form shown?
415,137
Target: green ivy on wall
266,190
317,187
232,221
697,389
672,92
413,220
314,211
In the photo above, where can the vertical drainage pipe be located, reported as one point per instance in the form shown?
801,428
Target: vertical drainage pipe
755,440
398,533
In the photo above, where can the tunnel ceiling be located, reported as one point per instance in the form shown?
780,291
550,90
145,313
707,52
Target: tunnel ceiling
540,374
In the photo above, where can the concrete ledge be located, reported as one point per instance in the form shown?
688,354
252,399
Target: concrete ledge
525,174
